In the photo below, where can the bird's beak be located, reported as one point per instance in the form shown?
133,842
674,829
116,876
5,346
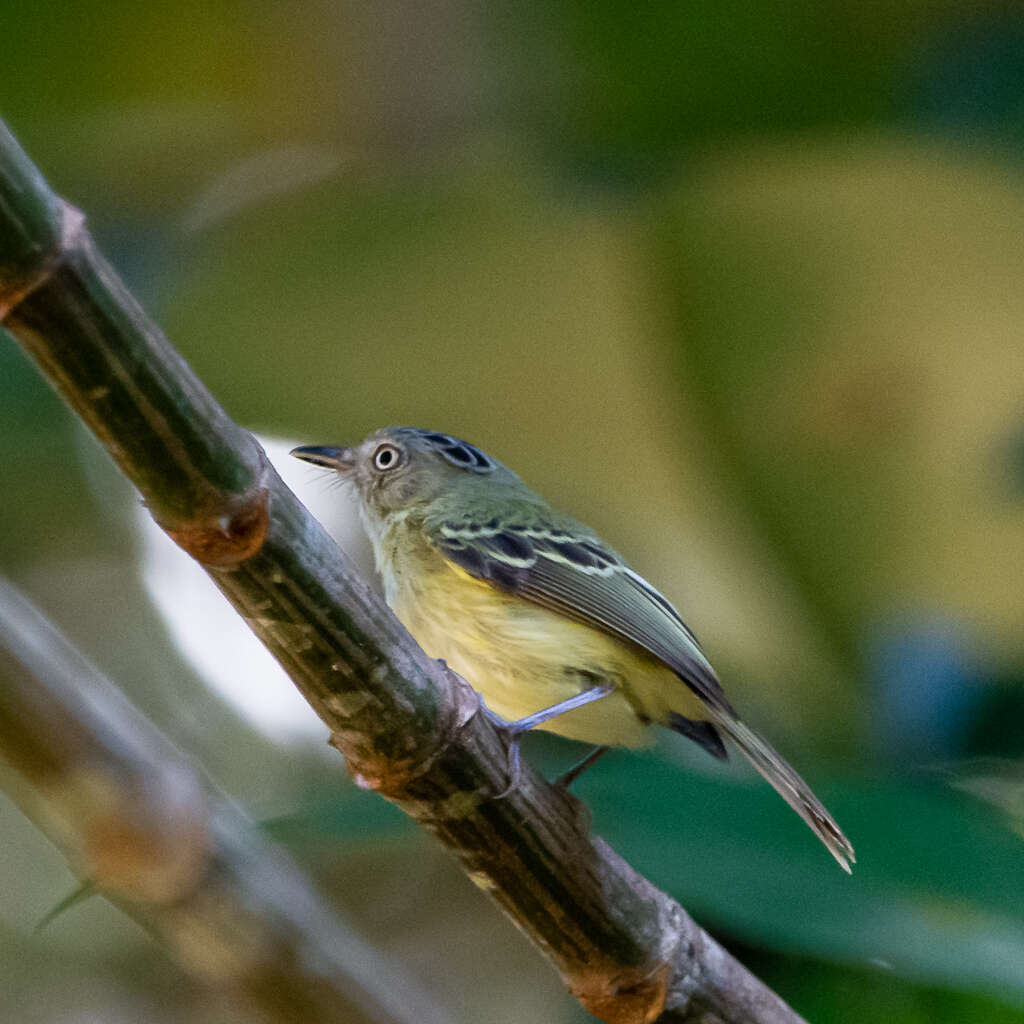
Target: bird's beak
339,459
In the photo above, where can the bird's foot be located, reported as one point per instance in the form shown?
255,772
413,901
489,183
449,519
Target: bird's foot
515,731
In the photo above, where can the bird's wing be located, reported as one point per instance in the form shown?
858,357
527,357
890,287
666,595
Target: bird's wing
570,571
562,566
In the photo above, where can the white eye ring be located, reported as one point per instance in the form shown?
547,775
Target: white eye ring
386,457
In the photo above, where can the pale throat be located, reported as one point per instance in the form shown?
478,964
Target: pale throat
400,553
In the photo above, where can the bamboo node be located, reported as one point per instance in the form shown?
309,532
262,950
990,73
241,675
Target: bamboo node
632,998
392,775
18,287
228,535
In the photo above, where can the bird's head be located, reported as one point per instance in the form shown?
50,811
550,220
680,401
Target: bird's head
405,468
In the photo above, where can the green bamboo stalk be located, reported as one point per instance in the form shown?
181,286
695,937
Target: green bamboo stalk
140,822
407,726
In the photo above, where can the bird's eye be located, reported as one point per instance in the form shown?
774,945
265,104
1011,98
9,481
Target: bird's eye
387,456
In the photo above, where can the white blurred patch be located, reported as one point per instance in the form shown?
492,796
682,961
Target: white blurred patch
209,632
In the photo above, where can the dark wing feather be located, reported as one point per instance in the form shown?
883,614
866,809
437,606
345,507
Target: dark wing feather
571,572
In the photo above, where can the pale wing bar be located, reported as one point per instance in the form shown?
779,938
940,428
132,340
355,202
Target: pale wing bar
580,578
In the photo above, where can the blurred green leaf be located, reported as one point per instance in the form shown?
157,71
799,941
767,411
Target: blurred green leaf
846,995
935,896
340,812
936,891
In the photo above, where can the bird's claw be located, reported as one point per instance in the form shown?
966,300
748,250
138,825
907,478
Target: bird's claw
514,769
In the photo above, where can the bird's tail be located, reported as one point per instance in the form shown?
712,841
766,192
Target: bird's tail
789,786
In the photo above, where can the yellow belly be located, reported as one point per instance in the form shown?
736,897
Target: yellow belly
522,658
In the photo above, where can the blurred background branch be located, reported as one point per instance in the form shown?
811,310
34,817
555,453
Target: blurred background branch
139,821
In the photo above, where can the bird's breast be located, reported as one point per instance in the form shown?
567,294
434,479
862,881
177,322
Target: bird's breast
519,656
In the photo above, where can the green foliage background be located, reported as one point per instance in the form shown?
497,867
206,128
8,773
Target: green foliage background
738,283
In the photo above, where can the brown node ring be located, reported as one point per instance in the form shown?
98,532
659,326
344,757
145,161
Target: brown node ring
625,999
229,535
392,776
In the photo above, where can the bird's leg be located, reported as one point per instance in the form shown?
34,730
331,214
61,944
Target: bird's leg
565,780
516,729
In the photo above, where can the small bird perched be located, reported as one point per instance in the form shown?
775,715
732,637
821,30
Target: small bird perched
545,620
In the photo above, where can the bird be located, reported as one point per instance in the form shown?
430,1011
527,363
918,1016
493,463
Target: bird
545,620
